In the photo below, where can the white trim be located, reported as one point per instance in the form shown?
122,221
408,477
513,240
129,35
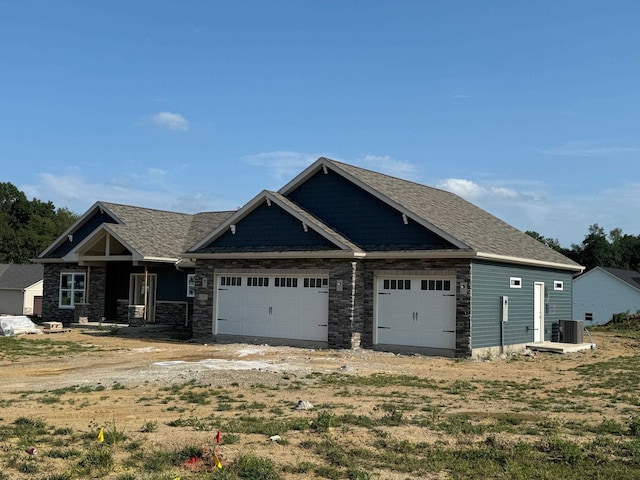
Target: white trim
515,282
72,304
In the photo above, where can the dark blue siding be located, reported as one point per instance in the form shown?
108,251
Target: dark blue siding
490,281
269,228
171,285
361,217
81,233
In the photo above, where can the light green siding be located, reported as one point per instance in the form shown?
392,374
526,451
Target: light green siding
491,281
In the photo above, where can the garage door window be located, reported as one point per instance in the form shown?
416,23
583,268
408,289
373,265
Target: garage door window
291,282
435,285
231,281
258,281
316,282
397,285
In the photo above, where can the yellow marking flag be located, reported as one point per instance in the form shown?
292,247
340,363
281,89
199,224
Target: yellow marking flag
216,460
101,435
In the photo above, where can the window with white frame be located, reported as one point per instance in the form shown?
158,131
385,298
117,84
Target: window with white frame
515,282
191,285
72,289
558,285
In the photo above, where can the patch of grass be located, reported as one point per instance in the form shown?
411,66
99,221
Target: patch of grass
13,348
100,459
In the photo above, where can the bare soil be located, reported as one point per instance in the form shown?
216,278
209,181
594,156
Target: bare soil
134,372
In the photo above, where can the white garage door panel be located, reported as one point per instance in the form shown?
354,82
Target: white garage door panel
416,311
273,307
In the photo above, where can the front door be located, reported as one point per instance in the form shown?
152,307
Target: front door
143,293
538,311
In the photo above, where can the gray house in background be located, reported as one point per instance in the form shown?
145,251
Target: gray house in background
340,257
21,289
601,292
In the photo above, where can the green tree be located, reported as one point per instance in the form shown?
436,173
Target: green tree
28,227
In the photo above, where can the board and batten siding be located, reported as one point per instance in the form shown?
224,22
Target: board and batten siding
491,281
360,216
269,228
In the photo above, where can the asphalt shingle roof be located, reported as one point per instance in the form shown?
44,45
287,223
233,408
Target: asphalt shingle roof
462,220
159,233
18,276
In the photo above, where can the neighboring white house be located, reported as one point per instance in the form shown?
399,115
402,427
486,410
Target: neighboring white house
601,292
21,289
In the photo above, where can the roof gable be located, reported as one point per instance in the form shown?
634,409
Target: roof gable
142,234
446,214
629,278
364,218
271,223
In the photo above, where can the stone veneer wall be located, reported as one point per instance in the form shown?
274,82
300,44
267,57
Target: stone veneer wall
97,278
177,314
93,308
350,310
50,294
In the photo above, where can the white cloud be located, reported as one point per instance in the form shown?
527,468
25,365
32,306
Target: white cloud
473,191
388,165
587,149
153,188
172,121
284,164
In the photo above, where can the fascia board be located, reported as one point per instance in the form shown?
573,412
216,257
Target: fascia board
529,261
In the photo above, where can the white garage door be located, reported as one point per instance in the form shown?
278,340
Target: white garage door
295,307
416,311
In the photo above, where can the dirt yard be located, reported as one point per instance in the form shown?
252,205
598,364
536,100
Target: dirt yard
126,382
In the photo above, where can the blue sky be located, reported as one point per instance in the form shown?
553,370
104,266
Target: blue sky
530,110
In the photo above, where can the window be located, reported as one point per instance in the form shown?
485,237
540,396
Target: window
397,285
231,281
444,285
72,288
290,282
258,281
515,282
558,285
316,282
588,316
191,285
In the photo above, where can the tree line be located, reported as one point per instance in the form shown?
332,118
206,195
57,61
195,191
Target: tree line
27,227
600,249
